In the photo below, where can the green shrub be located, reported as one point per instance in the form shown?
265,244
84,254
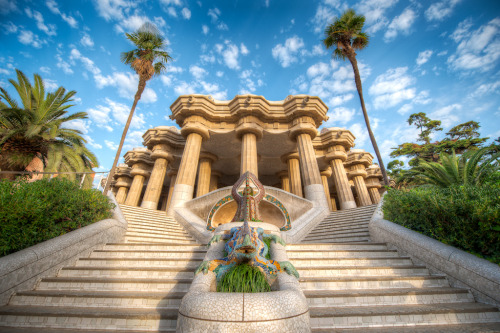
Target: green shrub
243,278
467,217
35,212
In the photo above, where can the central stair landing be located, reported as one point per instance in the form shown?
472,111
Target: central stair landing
133,286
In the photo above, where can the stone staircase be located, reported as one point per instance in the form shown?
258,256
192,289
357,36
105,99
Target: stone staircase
355,285
349,225
133,286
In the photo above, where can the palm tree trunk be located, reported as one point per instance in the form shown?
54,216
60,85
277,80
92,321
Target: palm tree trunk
357,79
140,89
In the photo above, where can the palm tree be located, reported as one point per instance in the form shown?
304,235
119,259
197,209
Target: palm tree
147,60
345,34
471,168
37,127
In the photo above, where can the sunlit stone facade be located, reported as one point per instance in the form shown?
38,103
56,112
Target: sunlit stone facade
218,141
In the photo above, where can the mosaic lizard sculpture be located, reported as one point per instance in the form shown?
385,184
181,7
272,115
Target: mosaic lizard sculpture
246,244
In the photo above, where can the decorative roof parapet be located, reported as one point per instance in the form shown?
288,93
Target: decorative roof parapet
169,135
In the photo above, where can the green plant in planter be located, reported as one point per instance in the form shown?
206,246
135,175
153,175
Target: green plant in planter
243,278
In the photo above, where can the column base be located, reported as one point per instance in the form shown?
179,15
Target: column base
181,194
316,193
347,205
149,204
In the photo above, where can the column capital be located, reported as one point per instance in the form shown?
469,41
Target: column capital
163,135
289,156
247,127
160,153
172,172
356,172
327,172
195,127
138,155
358,156
282,174
335,136
303,126
208,156
122,170
140,172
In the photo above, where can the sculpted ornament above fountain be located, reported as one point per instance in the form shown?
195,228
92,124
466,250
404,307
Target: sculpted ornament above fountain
245,244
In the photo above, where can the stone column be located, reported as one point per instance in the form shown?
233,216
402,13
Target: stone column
162,157
325,174
123,182
204,173
173,175
303,132
285,180
357,161
249,132
214,181
292,161
140,161
337,155
184,185
373,183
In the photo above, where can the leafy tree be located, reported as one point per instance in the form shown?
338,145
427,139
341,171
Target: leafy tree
346,35
459,139
37,128
148,59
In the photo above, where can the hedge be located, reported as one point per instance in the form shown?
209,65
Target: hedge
466,217
35,212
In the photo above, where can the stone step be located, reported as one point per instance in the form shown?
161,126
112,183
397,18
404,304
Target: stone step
114,284
372,282
462,328
335,271
5,329
159,240
165,236
402,315
117,299
336,247
198,254
345,254
89,318
155,247
151,220
374,297
154,227
338,239
138,262
360,261
136,209
348,234
335,228
343,223
152,232
149,272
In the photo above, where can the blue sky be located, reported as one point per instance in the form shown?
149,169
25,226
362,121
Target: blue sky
438,57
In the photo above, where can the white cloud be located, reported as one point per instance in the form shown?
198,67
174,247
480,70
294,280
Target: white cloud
374,12
447,114
171,11
197,72
166,80
27,37
87,63
174,69
219,73
50,85
78,124
133,140
205,29
360,132
287,54
87,40
324,16
440,10
318,69
9,27
214,14
126,84
485,89
45,69
339,116
423,57
476,50
405,109
114,9
66,67
243,49
186,13
134,22
52,5
49,29
92,143
183,88
171,2
230,53
222,26
392,88
340,99
250,82
114,113
111,145
401,23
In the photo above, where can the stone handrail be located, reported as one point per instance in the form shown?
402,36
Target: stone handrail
21,270
462,269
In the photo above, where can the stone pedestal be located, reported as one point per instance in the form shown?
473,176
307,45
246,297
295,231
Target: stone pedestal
184,185
325,174
336,155
205,173
162,157
285,180
140,161
292,161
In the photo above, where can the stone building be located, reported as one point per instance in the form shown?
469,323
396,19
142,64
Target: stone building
218,141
